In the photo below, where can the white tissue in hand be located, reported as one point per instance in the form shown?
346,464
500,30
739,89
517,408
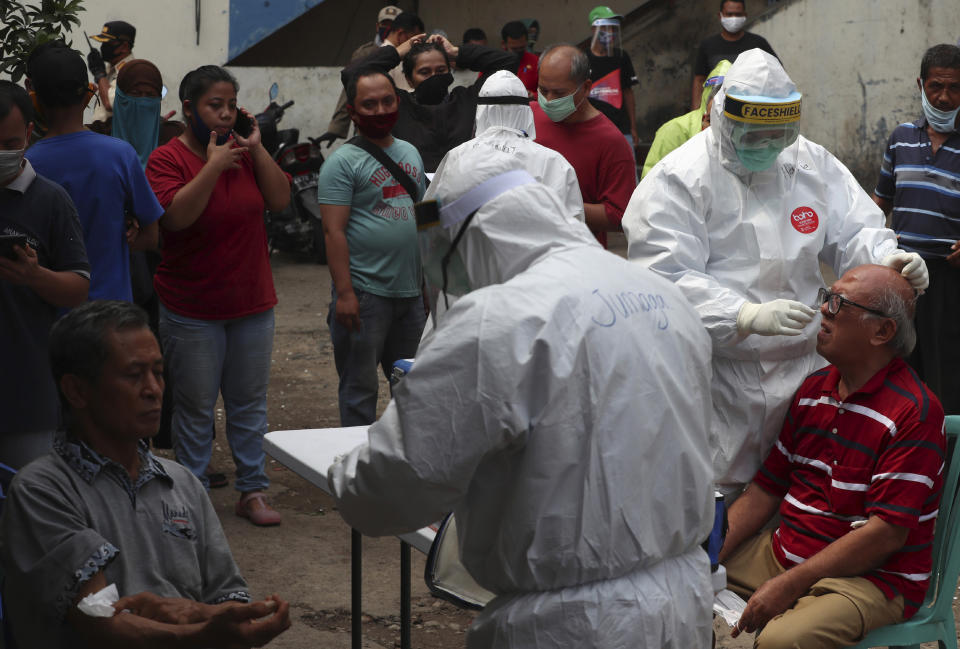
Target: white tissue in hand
100,603
729,605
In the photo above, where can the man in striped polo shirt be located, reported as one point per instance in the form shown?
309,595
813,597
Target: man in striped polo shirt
920,183
856,476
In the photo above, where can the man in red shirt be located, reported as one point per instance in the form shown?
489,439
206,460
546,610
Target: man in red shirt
567,123
856,476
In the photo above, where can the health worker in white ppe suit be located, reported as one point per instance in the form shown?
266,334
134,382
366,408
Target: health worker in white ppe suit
504,141
560,409
740,217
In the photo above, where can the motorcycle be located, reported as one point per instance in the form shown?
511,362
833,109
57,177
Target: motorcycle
298,227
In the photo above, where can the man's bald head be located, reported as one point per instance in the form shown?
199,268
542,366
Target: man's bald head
879,279
565,61
885,290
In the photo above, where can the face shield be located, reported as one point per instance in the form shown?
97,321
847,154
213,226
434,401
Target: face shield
606,37
440,228
761,127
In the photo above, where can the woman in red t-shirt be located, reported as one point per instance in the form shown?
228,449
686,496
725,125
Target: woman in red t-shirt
214,282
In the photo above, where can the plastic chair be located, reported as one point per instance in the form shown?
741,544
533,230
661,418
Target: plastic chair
934,621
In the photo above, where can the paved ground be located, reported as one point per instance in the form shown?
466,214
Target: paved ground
306,559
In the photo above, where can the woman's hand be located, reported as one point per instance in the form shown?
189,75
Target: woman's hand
224,156
253,140
448,47
405,46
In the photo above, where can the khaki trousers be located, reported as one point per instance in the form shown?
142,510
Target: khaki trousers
835,612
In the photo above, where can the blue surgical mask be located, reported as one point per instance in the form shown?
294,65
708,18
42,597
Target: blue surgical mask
758,159
137,120
558,109
202,132
942,121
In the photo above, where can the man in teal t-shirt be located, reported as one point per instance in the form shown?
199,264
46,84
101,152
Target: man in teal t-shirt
376,311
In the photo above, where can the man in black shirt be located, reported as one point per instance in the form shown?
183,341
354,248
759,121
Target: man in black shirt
611,73
728,44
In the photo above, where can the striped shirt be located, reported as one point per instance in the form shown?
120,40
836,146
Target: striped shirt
924,189
879,452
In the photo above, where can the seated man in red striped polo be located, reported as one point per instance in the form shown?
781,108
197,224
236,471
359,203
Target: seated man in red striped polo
856,476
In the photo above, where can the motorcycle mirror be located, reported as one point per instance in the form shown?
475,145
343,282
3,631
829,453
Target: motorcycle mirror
274,91
163,92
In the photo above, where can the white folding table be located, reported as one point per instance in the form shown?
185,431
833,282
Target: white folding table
309,453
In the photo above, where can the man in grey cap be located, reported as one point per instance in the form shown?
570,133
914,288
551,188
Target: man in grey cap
116,48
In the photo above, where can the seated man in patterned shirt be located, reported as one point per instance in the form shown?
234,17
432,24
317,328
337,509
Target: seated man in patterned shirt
101,509
856,476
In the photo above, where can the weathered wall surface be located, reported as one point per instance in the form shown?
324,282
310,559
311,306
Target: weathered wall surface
856,63
661,39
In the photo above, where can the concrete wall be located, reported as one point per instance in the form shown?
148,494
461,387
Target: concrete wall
856,63
661,38
167,36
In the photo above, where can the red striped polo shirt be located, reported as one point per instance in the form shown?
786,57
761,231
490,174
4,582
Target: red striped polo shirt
879,452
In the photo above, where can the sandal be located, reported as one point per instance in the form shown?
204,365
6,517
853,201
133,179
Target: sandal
254,507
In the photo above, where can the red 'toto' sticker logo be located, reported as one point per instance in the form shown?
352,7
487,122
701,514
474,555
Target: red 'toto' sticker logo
804,220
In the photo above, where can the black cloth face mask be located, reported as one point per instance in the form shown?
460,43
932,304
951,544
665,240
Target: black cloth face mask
433,90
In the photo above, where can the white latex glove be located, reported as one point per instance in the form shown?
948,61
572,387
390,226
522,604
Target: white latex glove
911,266
775,318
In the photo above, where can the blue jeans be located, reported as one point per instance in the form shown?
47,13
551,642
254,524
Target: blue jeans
210,357
391,331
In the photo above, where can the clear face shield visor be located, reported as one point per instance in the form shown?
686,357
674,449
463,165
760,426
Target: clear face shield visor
606,37
762,127
440,229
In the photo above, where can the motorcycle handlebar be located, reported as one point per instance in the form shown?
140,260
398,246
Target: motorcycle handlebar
287,105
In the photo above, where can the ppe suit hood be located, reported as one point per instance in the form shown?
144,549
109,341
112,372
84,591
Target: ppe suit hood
511,232
512,116
755,73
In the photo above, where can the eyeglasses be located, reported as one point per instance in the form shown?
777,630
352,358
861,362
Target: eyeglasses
834,301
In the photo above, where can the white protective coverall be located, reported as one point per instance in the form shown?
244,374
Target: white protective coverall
727,236
560,409
504,141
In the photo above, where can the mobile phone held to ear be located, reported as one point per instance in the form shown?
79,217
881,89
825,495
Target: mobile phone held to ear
244,125
8,241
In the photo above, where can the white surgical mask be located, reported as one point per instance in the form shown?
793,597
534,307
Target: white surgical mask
733,24
10,164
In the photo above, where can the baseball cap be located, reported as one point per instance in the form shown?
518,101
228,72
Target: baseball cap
59,74
388,13
600,12
116,30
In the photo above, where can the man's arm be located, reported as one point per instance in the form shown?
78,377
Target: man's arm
144,238
335,219
158,622
103,90
629,103
618,176
596,218
61,289
748,514
883,204
853,554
